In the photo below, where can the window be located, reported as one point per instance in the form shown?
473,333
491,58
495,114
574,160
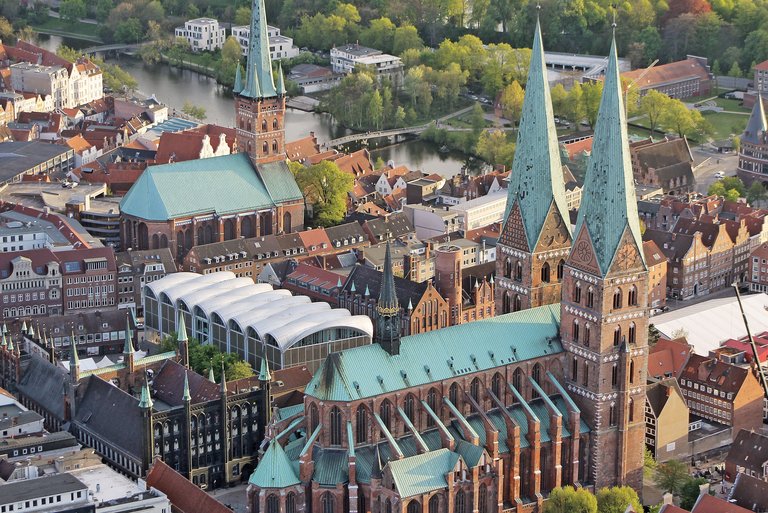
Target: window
536,374
517,380
474,389
574,369
410,410
414,506
453,394
577,293
360,503
313,417
545,272
617,336
585,375
432,403
614,375
517,304
460,500
590,297
518,271
362,424
587,334
385,412
327,502
612,415
632,296
507,268
632,371
273,504
496,384
617,299
560,270
336,426
575,330
632,333
434,504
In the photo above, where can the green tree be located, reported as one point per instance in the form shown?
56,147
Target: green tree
735,70
400,116
653,105
116,78
129,31
477,118
736,141
230,50
671,476
204,357
239,370
379,34
103,7
406,37
559,100
616,499
716,71
735,183
194,111
494,147
511,102
755,193
72,10
678,118
570,500
592,92
649,464
6,29
376,109
690,492
243,15
575,109
326,187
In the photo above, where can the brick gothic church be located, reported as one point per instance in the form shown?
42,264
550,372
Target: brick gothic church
491,415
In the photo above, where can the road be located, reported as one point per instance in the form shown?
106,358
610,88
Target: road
711,162
234,497
90,21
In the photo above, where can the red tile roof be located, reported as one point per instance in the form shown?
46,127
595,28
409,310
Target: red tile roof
315,241
577,147
357,163
667,357
302,149
653,255
710,504
763,66
185,497
667,73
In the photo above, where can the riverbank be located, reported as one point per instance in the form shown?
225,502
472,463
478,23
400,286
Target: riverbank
75,30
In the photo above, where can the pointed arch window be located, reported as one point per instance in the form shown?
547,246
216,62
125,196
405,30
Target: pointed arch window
631,371
327,501
617,336
617,299
518,271
575,331
632,332
507,267
290,503
274,124
577,293
560,270
612,415
336,425
474,389
432,403
632,296
615,375
410,410
274,146
496,385
585,375
453,394
461,502
414,506
574,369
263,125
273,504
545,272
385,412
536,374
587,334
517,304
361,420
313,417
482,500
517,380
590,297
265,148
434,504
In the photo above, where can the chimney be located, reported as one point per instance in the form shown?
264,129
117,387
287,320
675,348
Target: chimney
666,498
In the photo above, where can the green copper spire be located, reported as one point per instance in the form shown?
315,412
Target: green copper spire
31,330
353,288
536,180
264,374
181,331
608,204
338,283
211,377
259,63
3,342
367,291
74,358
186,396
128,347
23,326
238,86
145,403
388,304
10,344
280,80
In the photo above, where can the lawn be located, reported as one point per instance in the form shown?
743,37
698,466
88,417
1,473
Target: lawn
77,30
731,105
726,124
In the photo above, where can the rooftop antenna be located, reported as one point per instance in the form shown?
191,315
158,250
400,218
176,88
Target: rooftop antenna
755,355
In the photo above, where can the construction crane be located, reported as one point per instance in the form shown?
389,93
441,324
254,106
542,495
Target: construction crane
755,356
639,77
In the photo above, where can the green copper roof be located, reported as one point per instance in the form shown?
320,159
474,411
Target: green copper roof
388,301
74,358
422,473
536,179
280,80
211,377
221,185
181,330
238,86
24,326
252,88
128,348
264,374
274,469
31,330
146,400
368,371
608,203
186,396
259,62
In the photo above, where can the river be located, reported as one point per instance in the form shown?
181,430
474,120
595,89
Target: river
174,87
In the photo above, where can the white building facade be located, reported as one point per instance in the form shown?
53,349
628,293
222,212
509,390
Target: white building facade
203,34
280,46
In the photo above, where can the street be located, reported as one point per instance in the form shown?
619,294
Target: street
710,162
234,497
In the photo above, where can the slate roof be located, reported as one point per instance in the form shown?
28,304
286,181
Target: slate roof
673,245
28,489
657,394
110,413
422,473
221,185
363,276
536,181
438,355
274,469
756,128
396,225
185,497
608,204
749,492
713,372
45,384
168,385
345,234
256,248
749,450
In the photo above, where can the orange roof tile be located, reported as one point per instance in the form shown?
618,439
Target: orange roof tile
315,241
667,73
79,144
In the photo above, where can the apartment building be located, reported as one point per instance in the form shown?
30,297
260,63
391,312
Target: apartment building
203,34
344,60
280,46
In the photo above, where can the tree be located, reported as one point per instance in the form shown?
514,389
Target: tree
379,34
653,105
592,92
736,141
406,37
678,118
649,464
559,100
690,492
129,31
671,476
239,370
477,118
735,70
243,15
616,499
116,78
204,357
376,109
400,116
718,189
6,29
72,10
230,50
326,187
494,148
575,110
193,111
570,500
511,102
755,193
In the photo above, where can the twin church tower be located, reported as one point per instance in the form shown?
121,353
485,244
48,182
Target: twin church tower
596,271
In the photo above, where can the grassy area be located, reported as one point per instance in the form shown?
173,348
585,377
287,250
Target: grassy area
465,121
714,93
731,105
726,124
78,29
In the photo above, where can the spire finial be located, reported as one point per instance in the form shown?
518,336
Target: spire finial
264,374
145,403
186,396
211,377
128,348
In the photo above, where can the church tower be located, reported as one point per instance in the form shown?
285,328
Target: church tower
604,308
388,310
259,105
536,237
